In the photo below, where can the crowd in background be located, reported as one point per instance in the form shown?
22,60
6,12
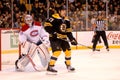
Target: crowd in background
76,12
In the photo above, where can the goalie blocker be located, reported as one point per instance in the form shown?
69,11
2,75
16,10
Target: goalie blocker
28,53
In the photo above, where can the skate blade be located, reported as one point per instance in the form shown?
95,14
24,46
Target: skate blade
51,73
71,71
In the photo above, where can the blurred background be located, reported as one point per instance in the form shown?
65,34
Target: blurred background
82,13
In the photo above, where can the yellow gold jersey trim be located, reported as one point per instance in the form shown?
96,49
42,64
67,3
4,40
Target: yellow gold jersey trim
69,30
47,24
57,16
61,36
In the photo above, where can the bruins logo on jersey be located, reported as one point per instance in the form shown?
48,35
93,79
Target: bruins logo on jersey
63,28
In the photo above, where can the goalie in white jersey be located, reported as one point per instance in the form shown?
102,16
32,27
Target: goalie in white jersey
32,37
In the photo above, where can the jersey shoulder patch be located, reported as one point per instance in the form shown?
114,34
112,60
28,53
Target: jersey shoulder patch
56,15
36,23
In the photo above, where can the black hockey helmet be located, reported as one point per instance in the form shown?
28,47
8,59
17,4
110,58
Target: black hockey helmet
61,8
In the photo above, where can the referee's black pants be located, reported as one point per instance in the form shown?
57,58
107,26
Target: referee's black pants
103,35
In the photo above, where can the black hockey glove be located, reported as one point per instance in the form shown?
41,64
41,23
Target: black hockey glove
73,42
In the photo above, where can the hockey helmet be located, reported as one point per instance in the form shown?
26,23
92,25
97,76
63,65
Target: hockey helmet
28,19
62,8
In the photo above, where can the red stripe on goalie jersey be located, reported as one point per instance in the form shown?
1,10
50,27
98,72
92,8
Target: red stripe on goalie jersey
37,23
25,26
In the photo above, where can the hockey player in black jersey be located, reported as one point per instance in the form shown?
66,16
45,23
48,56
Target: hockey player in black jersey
58,26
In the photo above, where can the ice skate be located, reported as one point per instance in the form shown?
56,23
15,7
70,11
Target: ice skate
70,68
107,49
51,70
93,49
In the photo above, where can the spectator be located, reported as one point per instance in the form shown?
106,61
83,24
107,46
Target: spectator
40,10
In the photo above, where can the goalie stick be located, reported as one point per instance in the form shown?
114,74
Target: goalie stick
81,45
88,47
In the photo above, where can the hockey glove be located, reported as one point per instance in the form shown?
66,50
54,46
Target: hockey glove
73,42
46,43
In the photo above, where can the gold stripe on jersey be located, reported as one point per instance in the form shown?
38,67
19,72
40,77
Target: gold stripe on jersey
47,24
57,16
61,36
69,30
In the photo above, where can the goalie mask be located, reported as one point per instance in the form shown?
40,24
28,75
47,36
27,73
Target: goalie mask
28,20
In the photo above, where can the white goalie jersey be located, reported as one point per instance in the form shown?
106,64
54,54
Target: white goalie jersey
33,33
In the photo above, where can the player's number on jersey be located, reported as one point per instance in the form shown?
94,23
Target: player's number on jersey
51,19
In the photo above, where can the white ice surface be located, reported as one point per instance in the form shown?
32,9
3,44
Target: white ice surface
101,65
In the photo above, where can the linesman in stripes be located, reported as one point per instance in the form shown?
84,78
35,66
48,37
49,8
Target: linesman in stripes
99,27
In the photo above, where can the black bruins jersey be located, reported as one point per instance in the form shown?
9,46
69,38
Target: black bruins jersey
58,25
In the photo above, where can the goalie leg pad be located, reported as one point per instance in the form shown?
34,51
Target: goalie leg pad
23,61
16,62
43,54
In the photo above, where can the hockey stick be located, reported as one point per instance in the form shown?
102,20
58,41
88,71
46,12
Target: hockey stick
81,45
88,47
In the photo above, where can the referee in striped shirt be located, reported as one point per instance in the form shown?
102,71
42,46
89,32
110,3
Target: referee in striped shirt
99,28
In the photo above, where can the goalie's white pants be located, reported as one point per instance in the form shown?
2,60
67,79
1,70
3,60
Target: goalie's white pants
42,51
